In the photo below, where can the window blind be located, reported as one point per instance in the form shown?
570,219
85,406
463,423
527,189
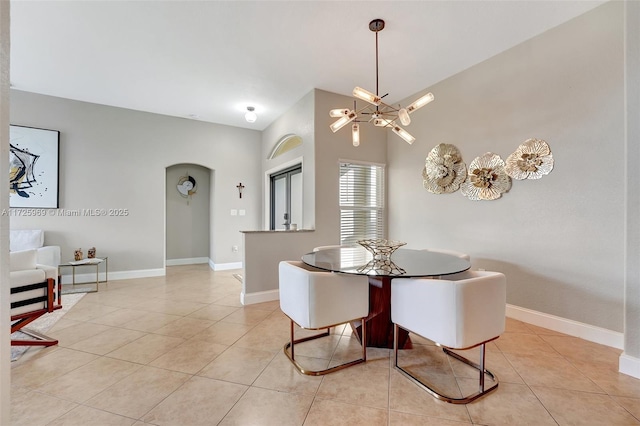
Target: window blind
361,202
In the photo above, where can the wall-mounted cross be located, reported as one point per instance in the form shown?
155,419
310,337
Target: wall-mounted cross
240,187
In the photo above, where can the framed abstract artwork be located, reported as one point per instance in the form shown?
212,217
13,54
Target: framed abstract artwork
33,167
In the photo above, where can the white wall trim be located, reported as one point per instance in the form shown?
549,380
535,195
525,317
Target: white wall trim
567,326
259,297
187,261
88,278
629,365
224,266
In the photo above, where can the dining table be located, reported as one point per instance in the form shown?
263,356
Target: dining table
402,263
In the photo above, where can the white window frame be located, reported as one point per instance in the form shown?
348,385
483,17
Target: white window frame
362,211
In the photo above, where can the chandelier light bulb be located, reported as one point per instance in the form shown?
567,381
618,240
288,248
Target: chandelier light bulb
367,96
403,115
343,121
339,112
355,134
420,102
382,122
403,134
250,116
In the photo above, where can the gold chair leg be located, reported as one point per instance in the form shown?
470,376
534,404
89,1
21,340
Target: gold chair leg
291,354
482,390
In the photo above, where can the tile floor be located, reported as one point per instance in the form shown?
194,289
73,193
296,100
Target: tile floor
181,350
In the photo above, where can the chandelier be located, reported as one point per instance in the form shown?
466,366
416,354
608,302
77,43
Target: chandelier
377,112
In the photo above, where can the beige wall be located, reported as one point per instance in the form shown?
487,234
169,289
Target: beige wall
630,360
321,152
559,240
115,158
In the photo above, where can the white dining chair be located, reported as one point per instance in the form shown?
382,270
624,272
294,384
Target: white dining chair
315,299
460,312
451,252
326,247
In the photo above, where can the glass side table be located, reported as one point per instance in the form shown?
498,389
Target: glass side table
85,287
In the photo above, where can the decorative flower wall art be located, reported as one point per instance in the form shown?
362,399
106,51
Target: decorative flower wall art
532,160
487,178
444,170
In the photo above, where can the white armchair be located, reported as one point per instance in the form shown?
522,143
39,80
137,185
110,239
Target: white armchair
25,239
316,299
33,294
460,311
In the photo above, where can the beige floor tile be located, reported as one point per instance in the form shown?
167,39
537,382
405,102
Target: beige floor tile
213,312
170,306
583,408
247,316
139,392
89,380
264,337
146,349
406,397
119,317
150,322
35,409
509,404
268,407
84,416
107,341
88,311
185,327
546,369
632,405
73,334
281,375
523,343
495,361
238,365
224,333
190,356
199,401
406,419
361,385
49,367
335,413
516,326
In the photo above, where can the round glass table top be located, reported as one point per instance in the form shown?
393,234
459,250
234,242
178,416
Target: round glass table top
402,263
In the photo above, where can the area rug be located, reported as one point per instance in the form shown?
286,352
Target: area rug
44,323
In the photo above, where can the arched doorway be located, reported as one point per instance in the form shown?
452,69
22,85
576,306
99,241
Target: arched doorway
188,195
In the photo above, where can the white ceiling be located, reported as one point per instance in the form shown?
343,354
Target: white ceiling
210,59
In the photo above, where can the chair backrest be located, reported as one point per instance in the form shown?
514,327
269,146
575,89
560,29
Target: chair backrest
326,247
458,312
315,299
23,239
451,252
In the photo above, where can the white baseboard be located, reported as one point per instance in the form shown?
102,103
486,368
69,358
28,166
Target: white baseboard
187,261
224,266
259,297
629,365
113,276
566,326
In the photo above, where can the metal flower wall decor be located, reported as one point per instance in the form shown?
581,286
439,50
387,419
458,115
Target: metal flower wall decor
532,160
444,171
487,178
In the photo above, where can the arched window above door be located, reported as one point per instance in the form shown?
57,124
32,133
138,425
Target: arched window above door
286,143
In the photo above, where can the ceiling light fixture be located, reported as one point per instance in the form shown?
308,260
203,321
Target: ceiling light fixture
377,112
251,116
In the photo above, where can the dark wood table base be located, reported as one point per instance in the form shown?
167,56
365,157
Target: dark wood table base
379,325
